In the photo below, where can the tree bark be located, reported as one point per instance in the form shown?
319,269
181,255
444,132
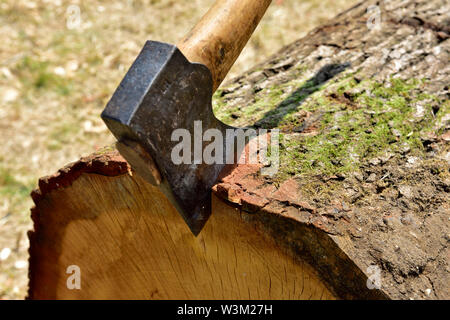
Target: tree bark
362,189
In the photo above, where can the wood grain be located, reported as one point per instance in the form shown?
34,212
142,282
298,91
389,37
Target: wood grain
130,243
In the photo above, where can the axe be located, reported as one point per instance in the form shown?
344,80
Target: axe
170,88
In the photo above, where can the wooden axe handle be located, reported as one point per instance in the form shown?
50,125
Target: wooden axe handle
219,37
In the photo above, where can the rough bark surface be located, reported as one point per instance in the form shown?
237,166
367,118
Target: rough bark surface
390,208
344,201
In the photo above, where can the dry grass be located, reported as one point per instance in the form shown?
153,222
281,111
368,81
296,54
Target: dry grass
54,82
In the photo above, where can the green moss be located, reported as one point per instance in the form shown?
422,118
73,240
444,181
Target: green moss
347,120
379,118
266,102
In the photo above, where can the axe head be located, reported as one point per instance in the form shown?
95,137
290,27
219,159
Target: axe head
160,93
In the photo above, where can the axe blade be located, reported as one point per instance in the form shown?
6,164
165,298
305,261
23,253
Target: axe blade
162,92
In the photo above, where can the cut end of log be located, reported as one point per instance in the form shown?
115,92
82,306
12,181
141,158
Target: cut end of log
128,242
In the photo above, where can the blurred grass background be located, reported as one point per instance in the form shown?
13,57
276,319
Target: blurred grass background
59,63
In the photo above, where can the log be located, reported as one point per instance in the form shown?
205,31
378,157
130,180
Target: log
130,243
358,209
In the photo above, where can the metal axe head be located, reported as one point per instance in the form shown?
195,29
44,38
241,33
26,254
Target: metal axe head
160,93
163,91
